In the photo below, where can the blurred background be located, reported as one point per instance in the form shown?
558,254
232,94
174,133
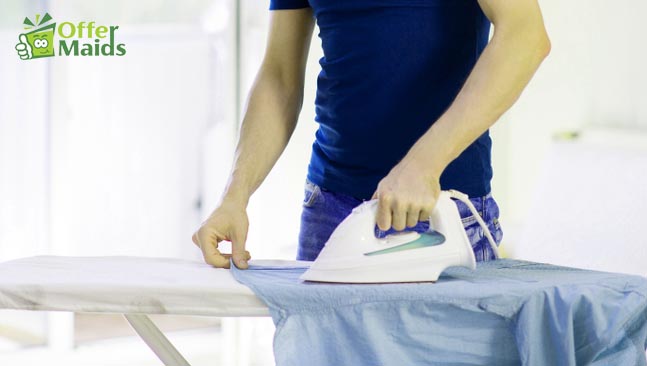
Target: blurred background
127,155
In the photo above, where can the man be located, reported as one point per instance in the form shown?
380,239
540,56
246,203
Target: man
406,94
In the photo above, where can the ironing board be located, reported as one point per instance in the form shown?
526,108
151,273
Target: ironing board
132,286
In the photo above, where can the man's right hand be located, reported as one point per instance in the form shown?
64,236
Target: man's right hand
227,222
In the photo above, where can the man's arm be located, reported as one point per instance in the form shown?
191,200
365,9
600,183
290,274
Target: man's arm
274,102
271,115
505,67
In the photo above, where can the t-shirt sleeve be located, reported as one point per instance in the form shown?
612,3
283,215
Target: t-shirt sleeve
288,4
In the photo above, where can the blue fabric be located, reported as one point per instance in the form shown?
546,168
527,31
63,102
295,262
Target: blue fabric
324,210
506,312
288,4
390,69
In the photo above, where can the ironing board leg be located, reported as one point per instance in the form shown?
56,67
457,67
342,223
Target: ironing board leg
156,340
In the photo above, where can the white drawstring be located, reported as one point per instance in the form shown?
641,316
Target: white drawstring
465,199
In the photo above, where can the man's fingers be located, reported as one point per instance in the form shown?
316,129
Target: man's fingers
21,47
211,256
426,210
238,251
384,214
228,256
209,246
424,215
399,219
412,217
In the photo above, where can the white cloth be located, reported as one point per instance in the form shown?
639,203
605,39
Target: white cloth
121,284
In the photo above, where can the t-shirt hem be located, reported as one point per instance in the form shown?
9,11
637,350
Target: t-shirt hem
288,4
335,185
341,186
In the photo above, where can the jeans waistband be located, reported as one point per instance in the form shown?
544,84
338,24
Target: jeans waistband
311,186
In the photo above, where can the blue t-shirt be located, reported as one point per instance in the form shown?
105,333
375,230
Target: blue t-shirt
390,69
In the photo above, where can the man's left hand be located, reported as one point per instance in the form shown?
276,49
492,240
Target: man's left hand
406,196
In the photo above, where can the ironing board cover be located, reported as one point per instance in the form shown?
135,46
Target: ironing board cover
121,284
506,312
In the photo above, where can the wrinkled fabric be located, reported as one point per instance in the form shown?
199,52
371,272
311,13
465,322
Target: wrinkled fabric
506,312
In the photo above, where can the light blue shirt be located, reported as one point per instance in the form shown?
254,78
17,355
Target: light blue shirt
506,312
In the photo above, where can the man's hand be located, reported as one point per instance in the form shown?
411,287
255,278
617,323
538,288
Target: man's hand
227,222
406,196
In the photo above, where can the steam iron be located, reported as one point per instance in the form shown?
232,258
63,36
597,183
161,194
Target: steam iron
354,255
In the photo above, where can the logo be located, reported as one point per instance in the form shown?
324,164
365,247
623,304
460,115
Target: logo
81,39
39,42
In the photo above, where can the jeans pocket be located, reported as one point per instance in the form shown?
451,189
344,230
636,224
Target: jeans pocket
312,192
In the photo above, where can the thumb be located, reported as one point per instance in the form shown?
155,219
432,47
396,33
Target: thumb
23,39
238,253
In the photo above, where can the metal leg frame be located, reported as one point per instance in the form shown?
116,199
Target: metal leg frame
156,340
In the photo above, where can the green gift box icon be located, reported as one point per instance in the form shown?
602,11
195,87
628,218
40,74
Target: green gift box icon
38,42
42,41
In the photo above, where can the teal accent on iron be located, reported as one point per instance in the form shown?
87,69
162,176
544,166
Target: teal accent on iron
428,239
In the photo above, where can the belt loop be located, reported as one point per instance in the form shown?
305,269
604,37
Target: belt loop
484,206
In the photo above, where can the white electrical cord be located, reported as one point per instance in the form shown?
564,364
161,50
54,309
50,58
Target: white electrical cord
466,200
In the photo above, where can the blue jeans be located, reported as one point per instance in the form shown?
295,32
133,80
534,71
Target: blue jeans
323,210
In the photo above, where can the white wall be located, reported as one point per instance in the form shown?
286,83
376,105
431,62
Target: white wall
594,76
103,156
23,149
24,168
125,146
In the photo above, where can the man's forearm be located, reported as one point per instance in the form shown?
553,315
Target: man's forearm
503,70
270,118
